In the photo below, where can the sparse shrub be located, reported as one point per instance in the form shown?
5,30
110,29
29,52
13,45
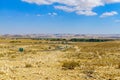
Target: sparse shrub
118,66
13,56
89,73
2,72
38,63
70,65
28,65
49,47
15,41
1,55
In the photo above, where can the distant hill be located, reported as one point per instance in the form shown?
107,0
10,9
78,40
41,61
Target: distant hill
94,36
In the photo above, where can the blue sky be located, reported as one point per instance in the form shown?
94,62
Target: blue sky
57,16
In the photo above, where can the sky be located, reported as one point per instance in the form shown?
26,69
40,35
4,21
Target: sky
60,16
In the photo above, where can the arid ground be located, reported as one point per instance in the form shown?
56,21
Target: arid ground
55,60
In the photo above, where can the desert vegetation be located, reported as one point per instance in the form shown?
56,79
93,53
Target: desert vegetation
59,59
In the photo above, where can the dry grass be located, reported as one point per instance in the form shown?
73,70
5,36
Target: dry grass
43,60
70,65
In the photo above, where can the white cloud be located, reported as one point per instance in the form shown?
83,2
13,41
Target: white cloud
81,7
52,14
87,13
64,8
111,1
55,14
106,14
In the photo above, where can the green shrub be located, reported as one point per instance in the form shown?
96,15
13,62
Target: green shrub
21,49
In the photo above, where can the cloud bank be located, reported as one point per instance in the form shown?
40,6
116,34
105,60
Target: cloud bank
80,7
